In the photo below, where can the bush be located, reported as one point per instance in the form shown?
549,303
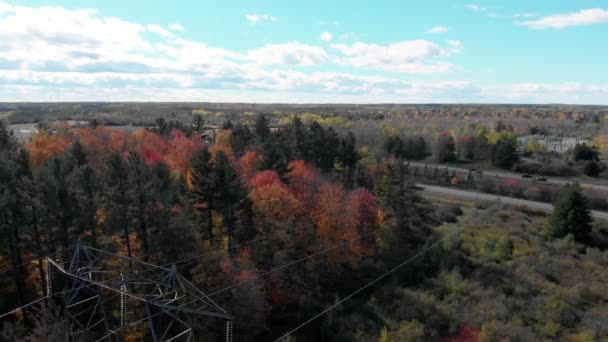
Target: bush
592,168
584,152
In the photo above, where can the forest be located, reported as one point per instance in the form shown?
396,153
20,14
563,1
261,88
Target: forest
279,223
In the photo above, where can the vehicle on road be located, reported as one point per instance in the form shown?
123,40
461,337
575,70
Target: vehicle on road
526,176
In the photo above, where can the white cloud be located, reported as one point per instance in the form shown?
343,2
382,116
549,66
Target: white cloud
438,29
524,15
477,8
4,7
559,21
326,36
158,29
50,53
176,27
414,56
292,53
255,18
455,47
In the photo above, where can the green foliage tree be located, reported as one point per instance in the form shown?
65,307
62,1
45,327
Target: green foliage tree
534,146
570,215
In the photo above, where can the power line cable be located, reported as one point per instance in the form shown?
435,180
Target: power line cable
261,275
387,273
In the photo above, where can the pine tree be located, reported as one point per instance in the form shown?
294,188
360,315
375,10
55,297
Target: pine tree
348,156
228,191
571,215
87,186
119,202
142,196
202,187
261,128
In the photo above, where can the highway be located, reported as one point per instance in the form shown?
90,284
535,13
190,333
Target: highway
432,189
506,174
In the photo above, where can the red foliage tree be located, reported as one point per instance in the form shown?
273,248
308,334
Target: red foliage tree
304,181
466,333
265,178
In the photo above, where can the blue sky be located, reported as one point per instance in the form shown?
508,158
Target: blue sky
484,51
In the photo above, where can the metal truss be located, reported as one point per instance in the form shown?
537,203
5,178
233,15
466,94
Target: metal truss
106,290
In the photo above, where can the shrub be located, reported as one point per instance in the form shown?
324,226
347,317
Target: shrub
592,168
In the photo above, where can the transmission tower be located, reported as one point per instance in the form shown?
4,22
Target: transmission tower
107,294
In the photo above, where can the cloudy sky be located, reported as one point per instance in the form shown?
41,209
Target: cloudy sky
401,51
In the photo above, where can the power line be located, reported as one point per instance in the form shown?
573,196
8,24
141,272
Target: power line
370,284
34,258
192,259
29,304
310,256
73,316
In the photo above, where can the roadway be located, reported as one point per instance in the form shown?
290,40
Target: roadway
469,195
506,174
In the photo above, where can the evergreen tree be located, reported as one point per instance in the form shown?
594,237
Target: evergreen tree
228,192
202,192
261,128
198,124
240,139
8,226
7,138
298,135
87,186
77,156
275,154
571,215
61,206
119,202
348,156
503,154
142,195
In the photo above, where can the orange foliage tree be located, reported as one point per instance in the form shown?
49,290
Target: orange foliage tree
180,150
246,166
336,224
274,204
222,143
43,146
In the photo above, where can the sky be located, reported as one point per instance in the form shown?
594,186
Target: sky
313,51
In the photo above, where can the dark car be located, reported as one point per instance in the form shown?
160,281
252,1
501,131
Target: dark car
526,176
541,179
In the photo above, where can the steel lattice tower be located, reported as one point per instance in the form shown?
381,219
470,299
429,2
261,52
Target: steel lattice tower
108,294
